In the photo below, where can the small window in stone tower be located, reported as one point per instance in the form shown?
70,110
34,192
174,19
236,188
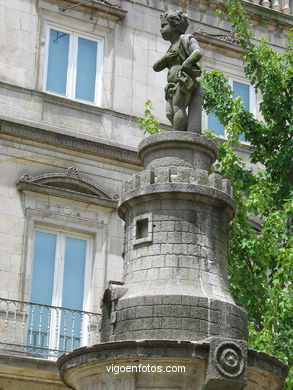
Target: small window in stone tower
142,229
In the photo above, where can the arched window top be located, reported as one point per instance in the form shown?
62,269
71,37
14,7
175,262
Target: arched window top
69,183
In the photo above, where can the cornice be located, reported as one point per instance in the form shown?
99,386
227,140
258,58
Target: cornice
35,132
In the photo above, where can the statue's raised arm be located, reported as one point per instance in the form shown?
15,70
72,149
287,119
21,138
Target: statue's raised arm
182,91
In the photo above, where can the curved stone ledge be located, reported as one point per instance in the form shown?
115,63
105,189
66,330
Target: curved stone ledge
86,366
134,349
268,363
201,193
177,137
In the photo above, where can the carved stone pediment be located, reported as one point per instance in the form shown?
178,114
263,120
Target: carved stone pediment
229,38
70,184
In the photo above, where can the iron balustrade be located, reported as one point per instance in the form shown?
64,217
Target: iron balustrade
44,331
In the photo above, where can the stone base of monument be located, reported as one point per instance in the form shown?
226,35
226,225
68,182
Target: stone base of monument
175,285
213,364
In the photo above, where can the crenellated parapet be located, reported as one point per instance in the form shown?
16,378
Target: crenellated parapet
180,163
177,175
180,180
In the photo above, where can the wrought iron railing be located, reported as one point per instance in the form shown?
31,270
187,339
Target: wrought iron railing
44,331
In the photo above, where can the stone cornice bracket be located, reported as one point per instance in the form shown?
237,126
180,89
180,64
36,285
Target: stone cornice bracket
103,7
70,184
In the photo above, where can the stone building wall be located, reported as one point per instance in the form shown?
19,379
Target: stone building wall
42,133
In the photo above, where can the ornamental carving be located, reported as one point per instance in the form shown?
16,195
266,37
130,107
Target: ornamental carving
69,180
230,38
73,172
229,359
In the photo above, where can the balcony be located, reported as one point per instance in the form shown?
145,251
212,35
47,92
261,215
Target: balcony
284,6
44,332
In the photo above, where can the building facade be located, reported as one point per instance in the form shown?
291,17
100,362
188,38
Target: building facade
74,77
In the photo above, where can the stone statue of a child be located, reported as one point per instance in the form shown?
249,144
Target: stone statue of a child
182,89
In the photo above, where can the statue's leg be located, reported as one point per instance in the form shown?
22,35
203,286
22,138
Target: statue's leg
180,103
195,110
169,111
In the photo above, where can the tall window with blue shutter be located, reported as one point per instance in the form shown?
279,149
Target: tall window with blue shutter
73,65
246,92
58,279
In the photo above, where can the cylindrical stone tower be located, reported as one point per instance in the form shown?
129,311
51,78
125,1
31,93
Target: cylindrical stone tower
175,246
174,306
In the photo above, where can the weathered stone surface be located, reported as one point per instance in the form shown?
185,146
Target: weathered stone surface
85,368
196,319
227,364
175,279
181,59
177,149
17,373
187,212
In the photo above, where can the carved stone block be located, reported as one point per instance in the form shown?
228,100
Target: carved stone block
227,364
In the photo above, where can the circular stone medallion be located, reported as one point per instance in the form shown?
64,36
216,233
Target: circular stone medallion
230,359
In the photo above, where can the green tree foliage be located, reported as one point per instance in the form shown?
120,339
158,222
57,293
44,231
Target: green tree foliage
260,264
148,124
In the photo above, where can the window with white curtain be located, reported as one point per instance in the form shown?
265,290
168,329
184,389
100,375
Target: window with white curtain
73,65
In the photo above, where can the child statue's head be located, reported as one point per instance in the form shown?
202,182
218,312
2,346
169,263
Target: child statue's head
177,19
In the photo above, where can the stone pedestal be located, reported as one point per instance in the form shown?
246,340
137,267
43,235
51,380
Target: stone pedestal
163,365
174,306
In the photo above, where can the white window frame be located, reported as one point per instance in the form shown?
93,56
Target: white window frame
252,104
72,61
252,97
59,277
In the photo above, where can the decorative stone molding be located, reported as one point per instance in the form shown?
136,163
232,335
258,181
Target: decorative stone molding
69,184
229,359
102,7
74,177
44,134
227,364
265,372
230,38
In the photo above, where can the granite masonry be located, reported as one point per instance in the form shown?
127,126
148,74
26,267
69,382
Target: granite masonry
174,305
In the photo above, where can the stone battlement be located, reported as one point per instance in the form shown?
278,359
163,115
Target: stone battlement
177,175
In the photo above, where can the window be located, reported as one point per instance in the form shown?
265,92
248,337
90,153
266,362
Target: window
247,94
59,279
73,65
143,229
